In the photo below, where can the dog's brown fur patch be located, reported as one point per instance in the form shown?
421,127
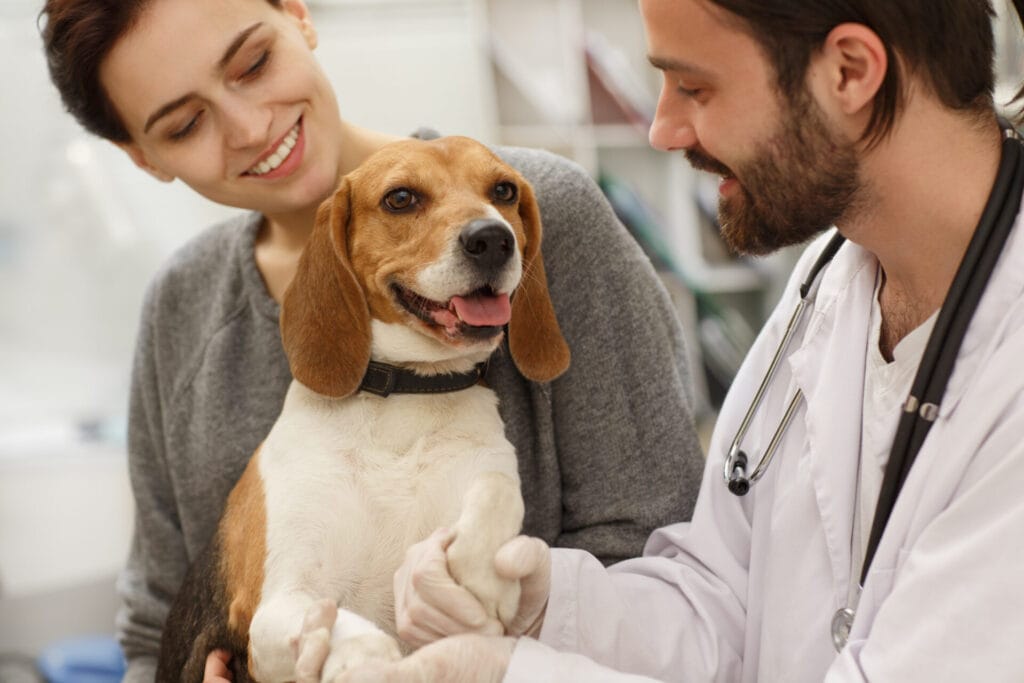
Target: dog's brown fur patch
244,546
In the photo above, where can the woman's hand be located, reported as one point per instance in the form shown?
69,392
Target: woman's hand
216,670
430,605
466,658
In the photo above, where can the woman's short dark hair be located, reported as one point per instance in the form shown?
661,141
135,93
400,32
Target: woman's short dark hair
77,36
949,43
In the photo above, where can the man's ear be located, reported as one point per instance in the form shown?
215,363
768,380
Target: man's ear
138,157
298,10
849,69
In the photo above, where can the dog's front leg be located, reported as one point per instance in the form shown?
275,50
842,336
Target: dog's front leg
492,514
294,637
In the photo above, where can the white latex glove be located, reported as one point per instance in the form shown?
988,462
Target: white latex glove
429,605
527,559
467,658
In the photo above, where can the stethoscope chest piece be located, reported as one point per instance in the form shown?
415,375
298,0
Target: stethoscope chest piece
842,622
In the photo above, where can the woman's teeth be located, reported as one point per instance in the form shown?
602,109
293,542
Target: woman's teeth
279,155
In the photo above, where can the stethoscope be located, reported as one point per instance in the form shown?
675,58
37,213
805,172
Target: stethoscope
921,408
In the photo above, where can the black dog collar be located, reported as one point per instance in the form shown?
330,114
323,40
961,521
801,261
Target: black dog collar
382,379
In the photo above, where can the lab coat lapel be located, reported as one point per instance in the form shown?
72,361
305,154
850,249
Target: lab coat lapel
1004,289
829,369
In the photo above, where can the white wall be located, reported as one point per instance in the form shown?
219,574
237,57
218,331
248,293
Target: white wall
65,521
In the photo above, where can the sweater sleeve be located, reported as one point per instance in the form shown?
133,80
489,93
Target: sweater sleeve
628,453
158,560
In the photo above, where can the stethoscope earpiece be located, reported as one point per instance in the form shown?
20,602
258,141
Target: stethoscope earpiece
738,483
739,486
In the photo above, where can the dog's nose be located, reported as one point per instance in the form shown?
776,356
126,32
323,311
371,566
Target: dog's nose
487,242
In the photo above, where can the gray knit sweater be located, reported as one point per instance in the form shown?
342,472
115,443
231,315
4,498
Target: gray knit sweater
607,452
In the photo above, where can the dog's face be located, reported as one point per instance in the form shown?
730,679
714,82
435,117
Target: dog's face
436,240
434,246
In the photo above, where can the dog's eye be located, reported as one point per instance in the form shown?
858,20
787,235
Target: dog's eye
401,199
505,192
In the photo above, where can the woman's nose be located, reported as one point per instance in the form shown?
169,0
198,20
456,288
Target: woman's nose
672,128
246,124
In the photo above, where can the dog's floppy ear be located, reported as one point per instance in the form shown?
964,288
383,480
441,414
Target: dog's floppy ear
534,338
325,321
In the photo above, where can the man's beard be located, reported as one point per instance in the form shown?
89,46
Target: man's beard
796,185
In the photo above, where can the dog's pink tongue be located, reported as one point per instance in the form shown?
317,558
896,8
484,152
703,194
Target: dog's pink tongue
481,311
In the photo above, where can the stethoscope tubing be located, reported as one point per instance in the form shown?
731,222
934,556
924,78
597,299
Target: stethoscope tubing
939,358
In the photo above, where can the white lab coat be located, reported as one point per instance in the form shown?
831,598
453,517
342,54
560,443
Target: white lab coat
747,590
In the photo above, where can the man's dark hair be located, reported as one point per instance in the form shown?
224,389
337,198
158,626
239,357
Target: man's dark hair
77,36
948,43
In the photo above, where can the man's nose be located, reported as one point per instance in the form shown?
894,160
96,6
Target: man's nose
672,128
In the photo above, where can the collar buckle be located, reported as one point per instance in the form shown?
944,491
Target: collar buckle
380,379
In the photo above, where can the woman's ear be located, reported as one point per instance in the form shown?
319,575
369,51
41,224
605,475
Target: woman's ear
849,69
138,157
534,338
325,321
298,10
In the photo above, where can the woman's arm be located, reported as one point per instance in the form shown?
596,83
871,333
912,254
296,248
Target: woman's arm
627,448
158,560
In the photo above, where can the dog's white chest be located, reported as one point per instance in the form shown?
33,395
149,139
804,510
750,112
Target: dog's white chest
350,483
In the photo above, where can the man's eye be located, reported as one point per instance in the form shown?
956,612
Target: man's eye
400,199
505,192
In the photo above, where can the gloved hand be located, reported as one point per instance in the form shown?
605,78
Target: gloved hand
429,604
466,658
528,559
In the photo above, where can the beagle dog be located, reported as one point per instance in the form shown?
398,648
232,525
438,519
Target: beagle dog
416,267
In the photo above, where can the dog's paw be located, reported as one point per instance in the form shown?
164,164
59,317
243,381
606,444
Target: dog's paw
352,653
471,563
313,644
333,641
492,515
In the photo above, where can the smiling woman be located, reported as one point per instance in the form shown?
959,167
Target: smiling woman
218,115
243,114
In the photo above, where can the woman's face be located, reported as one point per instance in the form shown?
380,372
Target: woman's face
228,97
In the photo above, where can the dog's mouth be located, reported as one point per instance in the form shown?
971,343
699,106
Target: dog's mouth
480,314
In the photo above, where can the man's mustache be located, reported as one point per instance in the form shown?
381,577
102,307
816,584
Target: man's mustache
703,162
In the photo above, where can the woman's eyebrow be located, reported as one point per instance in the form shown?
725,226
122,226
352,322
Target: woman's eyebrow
236,45
165,110
230,52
